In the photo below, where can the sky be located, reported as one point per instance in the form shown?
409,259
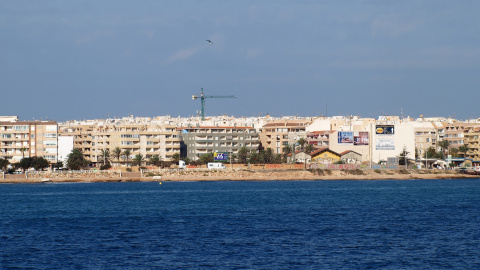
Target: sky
75,60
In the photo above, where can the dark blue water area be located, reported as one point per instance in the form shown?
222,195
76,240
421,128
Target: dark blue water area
407,224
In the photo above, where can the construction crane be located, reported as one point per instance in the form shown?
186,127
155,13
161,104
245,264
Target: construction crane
202,98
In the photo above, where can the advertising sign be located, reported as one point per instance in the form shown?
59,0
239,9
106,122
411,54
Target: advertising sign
384,144
385,129
360,138
345,137
220,156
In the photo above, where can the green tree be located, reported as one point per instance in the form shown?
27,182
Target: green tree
176,158
205,158
233,157
431,153
126,155
402,158
463,149
76,160
58,165
254,157
24,163
454,152
268,156
105,155
23,150
302,143
444,144
287,150
243,155
4,164
138,160
155,160
39,163
278,159
309,148
117,153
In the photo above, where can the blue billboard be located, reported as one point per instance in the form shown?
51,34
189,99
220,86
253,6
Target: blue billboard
220,156
345,137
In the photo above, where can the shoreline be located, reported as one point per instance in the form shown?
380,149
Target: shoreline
291,175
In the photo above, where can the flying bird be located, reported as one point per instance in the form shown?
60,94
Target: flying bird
209,42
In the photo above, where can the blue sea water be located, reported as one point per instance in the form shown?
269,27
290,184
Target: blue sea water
411,224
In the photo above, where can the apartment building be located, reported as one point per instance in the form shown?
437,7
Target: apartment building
201,140
138,135
278,134
472,141
20,139
426,136
455,133
319,139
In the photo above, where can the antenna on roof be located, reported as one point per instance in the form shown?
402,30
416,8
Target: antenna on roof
326,106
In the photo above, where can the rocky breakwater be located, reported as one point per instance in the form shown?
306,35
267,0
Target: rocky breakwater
75,176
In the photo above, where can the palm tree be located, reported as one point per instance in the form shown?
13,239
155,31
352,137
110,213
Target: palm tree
243,155
444,144
309,148
117,153
454,152
463,149
76,160
155,160
105,154
254,157
23,150
126,155
287,150
137,160
268,156
302,143
175,158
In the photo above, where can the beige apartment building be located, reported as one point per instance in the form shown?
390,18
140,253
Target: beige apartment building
20,139
278,134
144,138
200,140
472,140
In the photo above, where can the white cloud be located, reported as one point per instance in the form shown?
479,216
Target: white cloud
183,54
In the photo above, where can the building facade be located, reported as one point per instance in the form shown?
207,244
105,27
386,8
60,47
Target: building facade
145,138
209,139
278,134
20,139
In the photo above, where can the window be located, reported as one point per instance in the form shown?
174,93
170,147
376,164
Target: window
50,157
50,135
20,128
127,143
127,136
50,143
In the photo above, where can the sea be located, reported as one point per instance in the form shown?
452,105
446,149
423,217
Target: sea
343,224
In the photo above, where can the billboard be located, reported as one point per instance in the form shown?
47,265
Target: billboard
385,129
384,144
360,138
345,137
220,156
